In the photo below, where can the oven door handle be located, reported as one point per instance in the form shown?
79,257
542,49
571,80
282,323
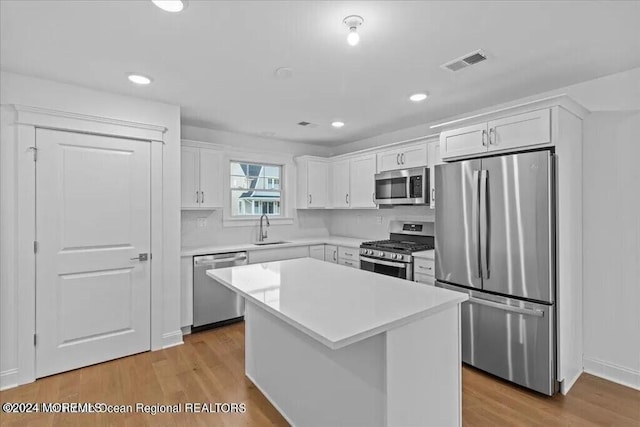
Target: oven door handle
383,262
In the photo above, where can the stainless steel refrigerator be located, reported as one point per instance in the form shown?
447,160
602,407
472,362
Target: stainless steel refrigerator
495,240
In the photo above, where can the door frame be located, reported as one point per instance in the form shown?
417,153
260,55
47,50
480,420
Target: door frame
27,120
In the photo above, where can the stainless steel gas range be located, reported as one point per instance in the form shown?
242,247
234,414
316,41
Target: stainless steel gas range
393,256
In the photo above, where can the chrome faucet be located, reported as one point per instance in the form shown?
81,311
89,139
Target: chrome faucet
263,231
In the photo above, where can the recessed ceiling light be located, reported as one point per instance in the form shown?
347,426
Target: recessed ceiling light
337,124
171,5
139,79
417,97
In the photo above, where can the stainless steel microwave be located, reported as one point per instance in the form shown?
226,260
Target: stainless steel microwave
402,187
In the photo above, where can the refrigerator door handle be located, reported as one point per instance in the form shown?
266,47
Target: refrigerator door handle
506,307
475,223
484,224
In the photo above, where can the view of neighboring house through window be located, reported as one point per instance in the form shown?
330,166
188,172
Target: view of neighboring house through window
255,189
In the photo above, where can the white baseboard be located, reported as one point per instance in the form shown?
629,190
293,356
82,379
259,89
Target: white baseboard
172,339
8,379
186,330
566,385
612,372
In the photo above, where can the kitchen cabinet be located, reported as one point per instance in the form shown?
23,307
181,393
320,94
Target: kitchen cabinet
278,254
340,180
317,252
349,257
435,159
424,271
313,183
362,172
507,133
331,253
404,157
201,178
186,291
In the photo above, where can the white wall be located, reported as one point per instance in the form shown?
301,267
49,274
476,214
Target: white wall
373,224
611,198
29,91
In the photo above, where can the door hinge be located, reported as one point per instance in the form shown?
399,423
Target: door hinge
35,246
35,339
34,150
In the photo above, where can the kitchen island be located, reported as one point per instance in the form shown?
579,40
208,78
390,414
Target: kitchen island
332,345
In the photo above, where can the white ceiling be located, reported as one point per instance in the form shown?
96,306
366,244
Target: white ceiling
217,59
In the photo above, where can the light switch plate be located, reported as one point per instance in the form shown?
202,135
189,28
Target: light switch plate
379,219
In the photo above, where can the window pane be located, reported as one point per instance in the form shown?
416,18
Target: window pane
255,202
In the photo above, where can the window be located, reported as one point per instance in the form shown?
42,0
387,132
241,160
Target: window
255,189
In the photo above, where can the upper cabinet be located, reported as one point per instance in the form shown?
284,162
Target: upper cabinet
508,133
362,181
201,178
405,157
313,183
340,183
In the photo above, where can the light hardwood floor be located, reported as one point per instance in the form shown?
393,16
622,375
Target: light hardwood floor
210,368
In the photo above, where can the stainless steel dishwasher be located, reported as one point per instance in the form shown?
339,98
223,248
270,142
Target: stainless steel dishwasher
213,303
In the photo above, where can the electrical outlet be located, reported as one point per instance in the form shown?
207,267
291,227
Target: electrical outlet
202,222
379,220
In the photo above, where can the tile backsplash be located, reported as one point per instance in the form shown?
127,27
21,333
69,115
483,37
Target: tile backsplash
374,223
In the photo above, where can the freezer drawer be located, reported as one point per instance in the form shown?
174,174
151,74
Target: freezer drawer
510,338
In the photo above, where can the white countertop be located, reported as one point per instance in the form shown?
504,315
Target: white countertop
430,254
334,304
349,242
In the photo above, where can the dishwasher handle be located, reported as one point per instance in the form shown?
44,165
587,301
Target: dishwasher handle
214,261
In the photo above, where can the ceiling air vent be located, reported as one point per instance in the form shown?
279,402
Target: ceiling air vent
466,60
307,124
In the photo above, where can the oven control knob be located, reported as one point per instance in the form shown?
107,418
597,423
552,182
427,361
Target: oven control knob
380,254
368,252
396,256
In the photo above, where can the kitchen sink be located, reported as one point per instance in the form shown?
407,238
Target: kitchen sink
277,242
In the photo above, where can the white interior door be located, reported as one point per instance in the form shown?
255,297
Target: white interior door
92,217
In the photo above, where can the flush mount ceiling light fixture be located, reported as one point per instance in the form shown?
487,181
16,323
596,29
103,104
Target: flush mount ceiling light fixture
171,5
337,124
417,97
139,79
353,22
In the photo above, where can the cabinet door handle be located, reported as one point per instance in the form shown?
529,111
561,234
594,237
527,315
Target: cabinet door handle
402,158
309,198
433,194
202,194
492,136
197,197
373,197
346,198
484,137
348,254
398,159
335,255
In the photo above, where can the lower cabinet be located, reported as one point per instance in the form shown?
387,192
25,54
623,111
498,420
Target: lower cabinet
186,291
278,254
316,252
349,257
331,253
424,271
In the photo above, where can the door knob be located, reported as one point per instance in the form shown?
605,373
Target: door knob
140,257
